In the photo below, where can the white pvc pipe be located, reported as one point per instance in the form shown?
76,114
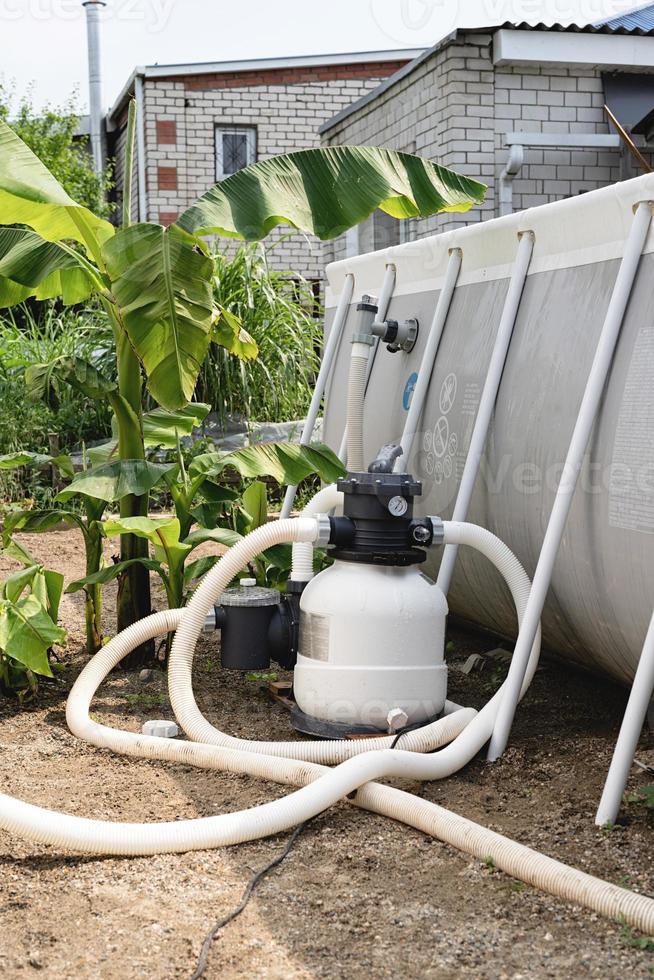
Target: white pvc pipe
141,162
509,173
326,500
488,399
567,485
93,8
356,393
332,348
383,303
632,725
429,359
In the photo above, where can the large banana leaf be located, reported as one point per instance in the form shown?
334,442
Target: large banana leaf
112,481
30,266
43,380
30,195
12,461
162,284
162,533
163,428
326,191
283,461
27,632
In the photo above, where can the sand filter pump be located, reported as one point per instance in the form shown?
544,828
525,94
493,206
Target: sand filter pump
366,635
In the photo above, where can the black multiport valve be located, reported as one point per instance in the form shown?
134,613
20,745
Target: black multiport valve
378,526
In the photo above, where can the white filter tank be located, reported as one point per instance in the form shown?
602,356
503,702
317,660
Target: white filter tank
371,641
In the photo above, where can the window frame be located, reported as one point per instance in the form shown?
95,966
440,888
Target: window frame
221,129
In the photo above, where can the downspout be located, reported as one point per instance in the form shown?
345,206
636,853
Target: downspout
92,8
511,170
140,146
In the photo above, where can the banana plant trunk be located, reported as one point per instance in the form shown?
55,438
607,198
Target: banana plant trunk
134,585
93,603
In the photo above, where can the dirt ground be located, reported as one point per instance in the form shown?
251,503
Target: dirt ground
358,896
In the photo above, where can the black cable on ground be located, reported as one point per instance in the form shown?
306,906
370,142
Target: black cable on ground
413,727
247,894
201,966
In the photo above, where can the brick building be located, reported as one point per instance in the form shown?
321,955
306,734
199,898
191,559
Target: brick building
200,122
519,107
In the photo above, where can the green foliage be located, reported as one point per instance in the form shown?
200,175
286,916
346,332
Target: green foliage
29,608
161,284
325,191
111,482
50,134
156,287
277,312
630,937
28,337
643,795
226,516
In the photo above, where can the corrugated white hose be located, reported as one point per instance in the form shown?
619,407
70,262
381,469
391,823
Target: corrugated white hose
104,837
441,764
514,858
96,836
323,502
180,665
356,393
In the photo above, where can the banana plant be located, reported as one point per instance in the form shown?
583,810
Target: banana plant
29,609
155,283
117,478
200,498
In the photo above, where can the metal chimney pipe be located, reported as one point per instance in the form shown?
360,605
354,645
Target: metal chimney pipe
95,81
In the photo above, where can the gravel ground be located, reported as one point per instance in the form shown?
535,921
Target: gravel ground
359,896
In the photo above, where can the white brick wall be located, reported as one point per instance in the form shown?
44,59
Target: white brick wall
456,108
287,118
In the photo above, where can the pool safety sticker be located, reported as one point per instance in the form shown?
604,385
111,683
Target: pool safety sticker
440,443
409,388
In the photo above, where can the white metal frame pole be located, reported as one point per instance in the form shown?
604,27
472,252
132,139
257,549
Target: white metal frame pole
488,399
383,303
429,359
329,356
567,485
632,725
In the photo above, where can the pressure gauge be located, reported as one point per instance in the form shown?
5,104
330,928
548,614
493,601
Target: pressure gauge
398,506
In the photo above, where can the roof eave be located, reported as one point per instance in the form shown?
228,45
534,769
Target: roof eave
254,65
450,38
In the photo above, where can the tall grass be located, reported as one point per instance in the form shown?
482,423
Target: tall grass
278,310
36,334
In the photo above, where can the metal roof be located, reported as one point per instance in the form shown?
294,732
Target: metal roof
639,19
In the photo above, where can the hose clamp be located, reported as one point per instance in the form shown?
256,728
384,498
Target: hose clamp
438,528
324,530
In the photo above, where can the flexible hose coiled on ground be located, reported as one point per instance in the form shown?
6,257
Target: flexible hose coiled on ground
465,731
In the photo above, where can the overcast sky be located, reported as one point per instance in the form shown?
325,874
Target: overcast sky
43,41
